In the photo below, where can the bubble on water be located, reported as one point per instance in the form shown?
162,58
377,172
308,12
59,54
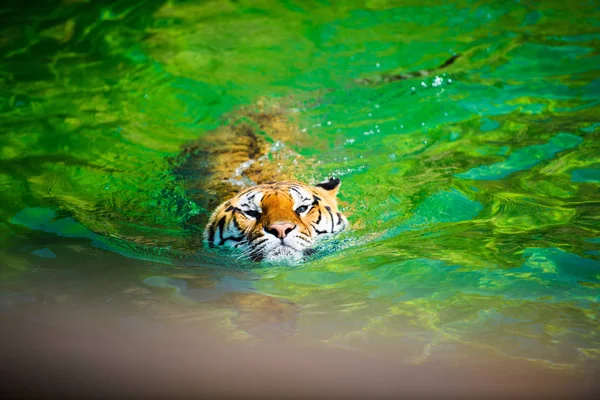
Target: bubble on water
238,179
303,130
317,125
423,84
376,105
449,80
378,65
370,115
350,141
278,145
437,81
328,123
422,123
401,126
378,131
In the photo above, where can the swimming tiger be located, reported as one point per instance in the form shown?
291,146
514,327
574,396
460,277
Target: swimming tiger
277,221
281,221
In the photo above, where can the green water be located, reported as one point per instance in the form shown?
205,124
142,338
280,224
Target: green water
473,196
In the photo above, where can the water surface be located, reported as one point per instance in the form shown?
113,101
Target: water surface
473,193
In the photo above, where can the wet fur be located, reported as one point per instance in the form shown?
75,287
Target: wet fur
232,224
213,168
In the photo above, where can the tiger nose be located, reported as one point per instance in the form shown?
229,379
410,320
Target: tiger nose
280,229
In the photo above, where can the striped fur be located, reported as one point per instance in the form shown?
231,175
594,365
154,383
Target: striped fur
245,222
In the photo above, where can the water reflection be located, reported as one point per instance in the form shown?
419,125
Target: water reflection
472,193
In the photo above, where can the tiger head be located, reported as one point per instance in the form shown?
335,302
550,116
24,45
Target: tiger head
279,221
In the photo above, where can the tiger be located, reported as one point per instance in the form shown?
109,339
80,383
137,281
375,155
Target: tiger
226,171
277,222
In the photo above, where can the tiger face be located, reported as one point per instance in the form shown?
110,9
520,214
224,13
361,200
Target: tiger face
279,221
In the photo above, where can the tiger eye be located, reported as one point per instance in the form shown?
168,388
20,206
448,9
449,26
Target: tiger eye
252,213
301,209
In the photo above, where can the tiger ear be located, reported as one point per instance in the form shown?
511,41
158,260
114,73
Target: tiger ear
331,185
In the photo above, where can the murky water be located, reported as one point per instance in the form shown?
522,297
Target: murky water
473,193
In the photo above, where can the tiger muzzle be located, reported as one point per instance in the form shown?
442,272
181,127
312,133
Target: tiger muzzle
280,229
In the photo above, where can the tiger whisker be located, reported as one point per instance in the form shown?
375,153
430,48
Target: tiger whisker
255,252
241,253
259,241
247,253
306,239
